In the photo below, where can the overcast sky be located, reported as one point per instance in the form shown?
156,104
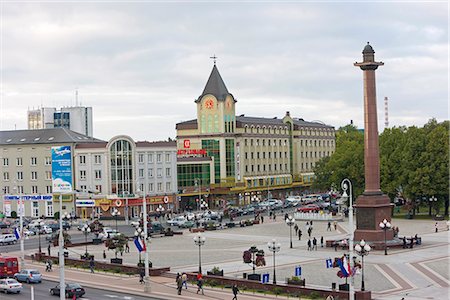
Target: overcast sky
140,65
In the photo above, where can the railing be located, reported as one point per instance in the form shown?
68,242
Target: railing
313,216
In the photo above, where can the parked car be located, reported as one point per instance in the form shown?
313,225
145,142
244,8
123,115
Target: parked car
190,216
9,266
28,232
187,224
52,236
7,239
28,276
3,225
135,222
155,228
177,221
71,290
107,232
309,208
10,285
81,225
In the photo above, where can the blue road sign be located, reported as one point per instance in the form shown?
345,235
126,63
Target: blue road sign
329,263
298,271
265,278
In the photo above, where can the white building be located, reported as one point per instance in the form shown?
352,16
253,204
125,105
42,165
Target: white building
76,118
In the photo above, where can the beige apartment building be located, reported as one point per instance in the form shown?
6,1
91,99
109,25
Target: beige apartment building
222,156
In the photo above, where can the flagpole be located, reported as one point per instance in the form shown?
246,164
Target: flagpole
22,247
146,263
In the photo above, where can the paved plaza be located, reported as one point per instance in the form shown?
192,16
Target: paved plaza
418,273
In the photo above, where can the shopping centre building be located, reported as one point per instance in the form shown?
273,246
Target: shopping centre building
223,157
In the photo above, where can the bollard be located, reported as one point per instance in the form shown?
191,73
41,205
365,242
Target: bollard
32,292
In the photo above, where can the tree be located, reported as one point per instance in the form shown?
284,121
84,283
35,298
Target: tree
116,243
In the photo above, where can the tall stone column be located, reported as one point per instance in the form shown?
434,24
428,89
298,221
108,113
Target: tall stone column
372,206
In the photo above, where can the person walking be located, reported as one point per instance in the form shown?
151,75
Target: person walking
404,242
335,225
309,231
321,242
104,255
184,279
200,283
309,245
235,291
329,226
314,243
142,275
127,248
436,227
299,234
296,229
179,284
262,219
92,265
48,249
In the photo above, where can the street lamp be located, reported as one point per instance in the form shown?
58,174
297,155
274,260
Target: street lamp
199,241
139,234
362,249
115,213
39,226
274,247
198,184
66,216
253,250
432,200
290,221
346,184
385,226
204,205
86,230
160,209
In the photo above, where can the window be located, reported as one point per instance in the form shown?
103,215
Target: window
48,160
158,157
82,159
34,189
20,189
83,187
19,175
141,158
141,173
264,155
168,157
5,162
245,141
19,161
98,174
159,172
82,175
159,186
150,158
246,155
49,209
97,159
5,176
246,169
98,188
48,175
35,209
269,154
168,187
150,172
34,175
168,172
150,187
257,155
33,161
48,189
251,155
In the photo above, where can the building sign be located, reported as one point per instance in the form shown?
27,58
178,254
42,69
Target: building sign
238,161
62,169
85,203
103,203
28,197
187,143
191,152
7,208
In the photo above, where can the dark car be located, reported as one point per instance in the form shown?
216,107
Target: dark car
3,225
71,290
155,228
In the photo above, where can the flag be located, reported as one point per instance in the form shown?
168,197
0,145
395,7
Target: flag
329,263
344,265
17,234
140,245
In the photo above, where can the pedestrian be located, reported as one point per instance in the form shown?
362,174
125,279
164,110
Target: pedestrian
309,231
310,223
235,291
141,275
335,244
296,229
329,226
179,284
200,283
286,216
262,219
274,216
321,242
92,265
184,279
314,243
48,249
335,225
104,255
307,224
299,234
404,242
309,245
127,248
412,242
436,227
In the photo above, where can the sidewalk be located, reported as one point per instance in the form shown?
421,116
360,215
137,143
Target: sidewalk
161,287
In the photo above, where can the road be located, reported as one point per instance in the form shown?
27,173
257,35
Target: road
41,292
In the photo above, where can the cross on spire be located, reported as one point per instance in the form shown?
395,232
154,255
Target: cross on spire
214,58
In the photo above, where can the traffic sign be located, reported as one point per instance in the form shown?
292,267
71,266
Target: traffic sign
265,278
298,271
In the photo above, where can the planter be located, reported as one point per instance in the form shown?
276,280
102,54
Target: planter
255,277
96,241
344,287
194,230
168,233
219,273
116,261
300,282
89,257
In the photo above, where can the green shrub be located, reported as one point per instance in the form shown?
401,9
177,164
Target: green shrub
278,290
314,295
13,214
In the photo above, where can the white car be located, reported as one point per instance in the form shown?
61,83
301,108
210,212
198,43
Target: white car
135,222
177,221
190,216
9,285
7,239
107,233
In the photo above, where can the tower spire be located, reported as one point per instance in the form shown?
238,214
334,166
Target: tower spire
214,58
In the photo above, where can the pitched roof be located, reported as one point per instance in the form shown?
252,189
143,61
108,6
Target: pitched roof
215,86
44,136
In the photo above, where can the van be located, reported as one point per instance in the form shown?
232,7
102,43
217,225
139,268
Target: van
8,266
7,239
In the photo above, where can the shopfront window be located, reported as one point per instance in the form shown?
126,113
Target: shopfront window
121,167
213,150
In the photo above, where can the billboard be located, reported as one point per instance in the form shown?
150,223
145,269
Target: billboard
62,169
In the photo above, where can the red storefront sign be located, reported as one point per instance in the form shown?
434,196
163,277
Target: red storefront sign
187,143
191,152
149,200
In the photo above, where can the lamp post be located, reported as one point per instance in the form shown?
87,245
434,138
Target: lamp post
115,213
86,230
274,247
346,184
160,210
147,288
362,249
39,226
432,200
385,226
290,221
139,234
204,205
253,249
199,240
198,184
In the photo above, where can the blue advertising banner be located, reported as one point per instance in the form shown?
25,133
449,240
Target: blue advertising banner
62,169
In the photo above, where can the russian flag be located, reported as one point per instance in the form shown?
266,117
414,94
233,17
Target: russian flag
17,233
344,265
140,245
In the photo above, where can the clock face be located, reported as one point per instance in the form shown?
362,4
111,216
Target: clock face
209,104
